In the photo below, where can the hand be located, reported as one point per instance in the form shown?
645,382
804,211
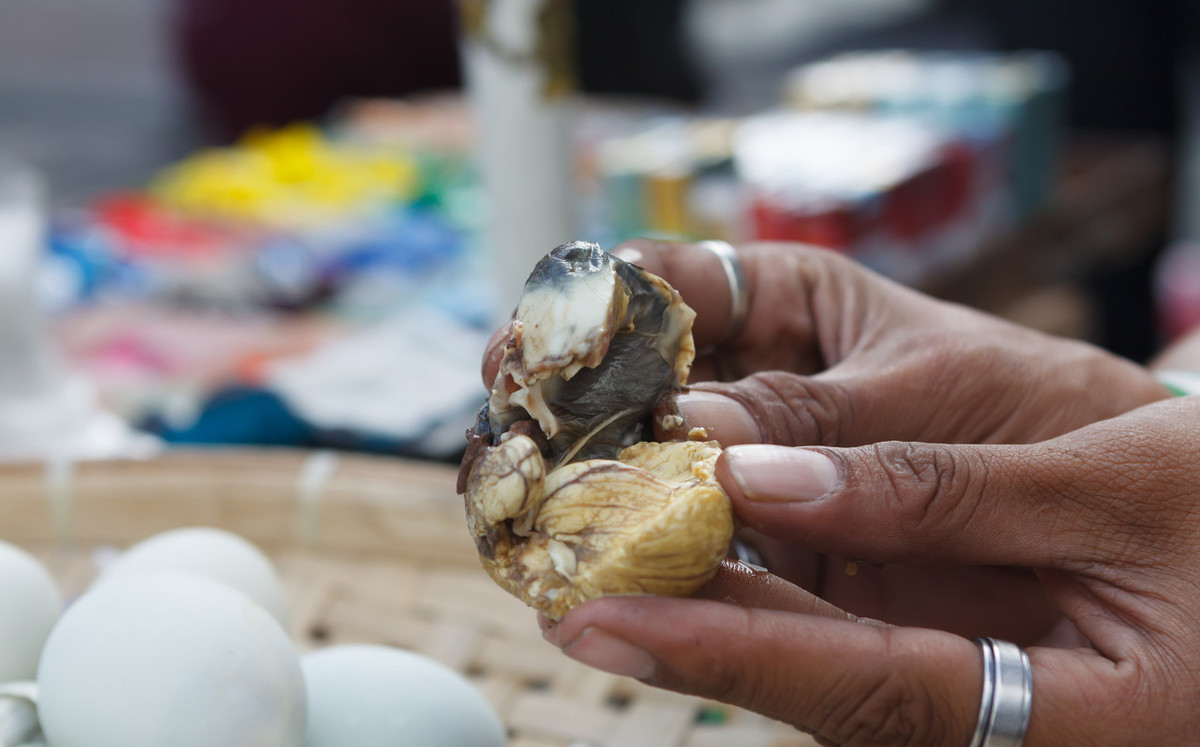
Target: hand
1109,516
836,355
833,354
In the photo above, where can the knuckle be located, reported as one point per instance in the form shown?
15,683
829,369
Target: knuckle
930,487
889,710
795,410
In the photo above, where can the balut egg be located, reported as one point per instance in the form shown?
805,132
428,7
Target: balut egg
564,498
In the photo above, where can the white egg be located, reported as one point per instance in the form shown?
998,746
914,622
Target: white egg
29,605
376,696
172,659
217,554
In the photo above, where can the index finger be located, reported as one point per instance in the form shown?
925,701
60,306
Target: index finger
492,353
695,272
698,276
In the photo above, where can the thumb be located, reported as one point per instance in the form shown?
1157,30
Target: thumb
1029,505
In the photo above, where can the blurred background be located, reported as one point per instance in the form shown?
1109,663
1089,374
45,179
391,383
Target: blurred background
295,222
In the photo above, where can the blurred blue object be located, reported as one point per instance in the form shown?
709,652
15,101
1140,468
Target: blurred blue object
239,415
411,241
288,270
248,416
78,264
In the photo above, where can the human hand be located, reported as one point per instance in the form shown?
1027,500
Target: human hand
833,354
1108,515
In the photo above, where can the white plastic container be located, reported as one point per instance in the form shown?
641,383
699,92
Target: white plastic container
524,136
45,411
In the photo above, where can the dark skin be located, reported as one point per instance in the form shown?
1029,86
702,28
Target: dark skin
1041,461
833,355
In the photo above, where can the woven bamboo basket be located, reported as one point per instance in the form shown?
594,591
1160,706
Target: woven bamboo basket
370,550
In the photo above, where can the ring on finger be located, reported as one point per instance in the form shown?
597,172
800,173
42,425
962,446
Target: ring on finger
739,296
747,554
1007,695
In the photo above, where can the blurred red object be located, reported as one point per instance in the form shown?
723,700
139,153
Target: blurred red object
143,229
1178,290
831,226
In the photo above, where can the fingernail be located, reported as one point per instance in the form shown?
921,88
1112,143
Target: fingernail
780,473
726,419
610,654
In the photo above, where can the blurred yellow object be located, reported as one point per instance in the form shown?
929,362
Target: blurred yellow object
291,177
666,203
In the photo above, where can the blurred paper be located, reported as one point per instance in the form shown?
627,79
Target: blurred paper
413,378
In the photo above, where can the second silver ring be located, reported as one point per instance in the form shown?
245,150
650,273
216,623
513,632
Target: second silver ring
1007,701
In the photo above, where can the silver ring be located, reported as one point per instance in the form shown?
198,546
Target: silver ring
747,554
739,297
1007,695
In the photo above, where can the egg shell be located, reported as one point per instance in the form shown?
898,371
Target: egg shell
377,696
214,553
172,659
29,604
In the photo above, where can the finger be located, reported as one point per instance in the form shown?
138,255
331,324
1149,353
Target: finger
848,682
742,585
778,407
492,353
705,367
696,273
782,283
1032,505
854,403
548,627
698,276
739,584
